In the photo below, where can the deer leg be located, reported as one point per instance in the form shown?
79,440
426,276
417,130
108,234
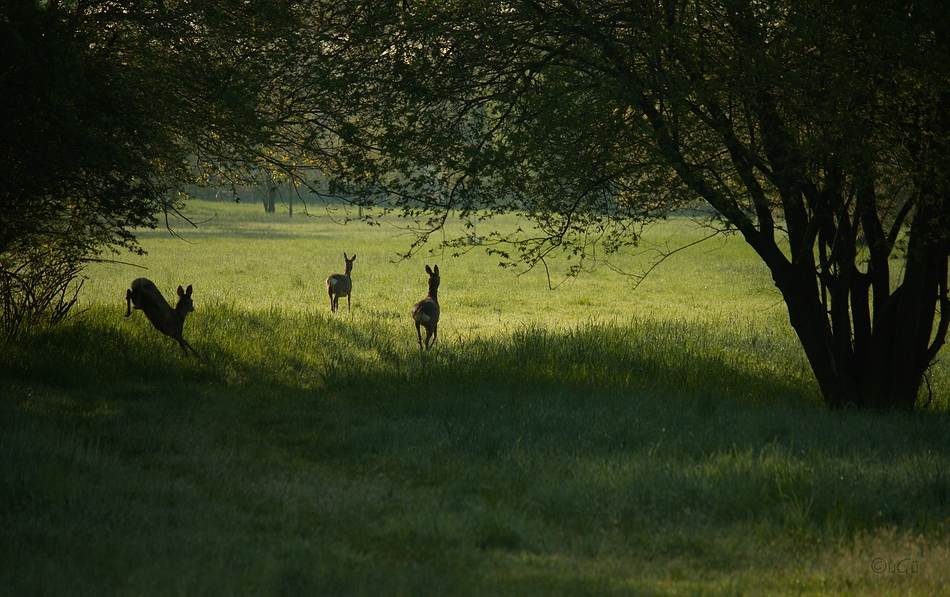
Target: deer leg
419,334
185,346
128,303
428,338
347,302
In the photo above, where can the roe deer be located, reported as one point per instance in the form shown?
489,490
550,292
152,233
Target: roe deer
145,296
341,284
426,312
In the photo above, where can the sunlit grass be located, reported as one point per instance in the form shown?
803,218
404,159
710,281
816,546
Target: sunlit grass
588,440
243,258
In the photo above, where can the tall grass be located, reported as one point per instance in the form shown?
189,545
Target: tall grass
589,440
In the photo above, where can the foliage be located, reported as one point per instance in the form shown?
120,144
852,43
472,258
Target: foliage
817,131
81,153
39,288
106,105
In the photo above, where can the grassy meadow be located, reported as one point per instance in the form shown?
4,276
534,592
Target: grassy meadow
595,439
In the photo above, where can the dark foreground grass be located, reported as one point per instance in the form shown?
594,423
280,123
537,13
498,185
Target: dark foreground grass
636,457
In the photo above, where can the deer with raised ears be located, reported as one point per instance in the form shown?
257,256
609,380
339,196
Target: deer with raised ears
341,284
426,312
145,296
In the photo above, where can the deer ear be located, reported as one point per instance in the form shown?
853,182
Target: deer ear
188,290
429,270
180,291
354,257
437,270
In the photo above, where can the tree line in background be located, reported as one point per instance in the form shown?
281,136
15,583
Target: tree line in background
816,130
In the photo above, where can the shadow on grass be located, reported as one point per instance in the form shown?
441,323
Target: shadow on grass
632,427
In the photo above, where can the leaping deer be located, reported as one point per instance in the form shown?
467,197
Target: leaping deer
145,296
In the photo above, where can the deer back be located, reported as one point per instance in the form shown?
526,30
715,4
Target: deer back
342,284
427,310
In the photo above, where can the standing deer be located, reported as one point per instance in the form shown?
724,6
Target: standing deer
426,312
145,296
341,284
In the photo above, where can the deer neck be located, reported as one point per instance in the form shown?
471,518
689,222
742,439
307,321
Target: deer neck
181,312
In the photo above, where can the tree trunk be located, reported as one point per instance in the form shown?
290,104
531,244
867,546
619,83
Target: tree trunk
882,370
270,199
